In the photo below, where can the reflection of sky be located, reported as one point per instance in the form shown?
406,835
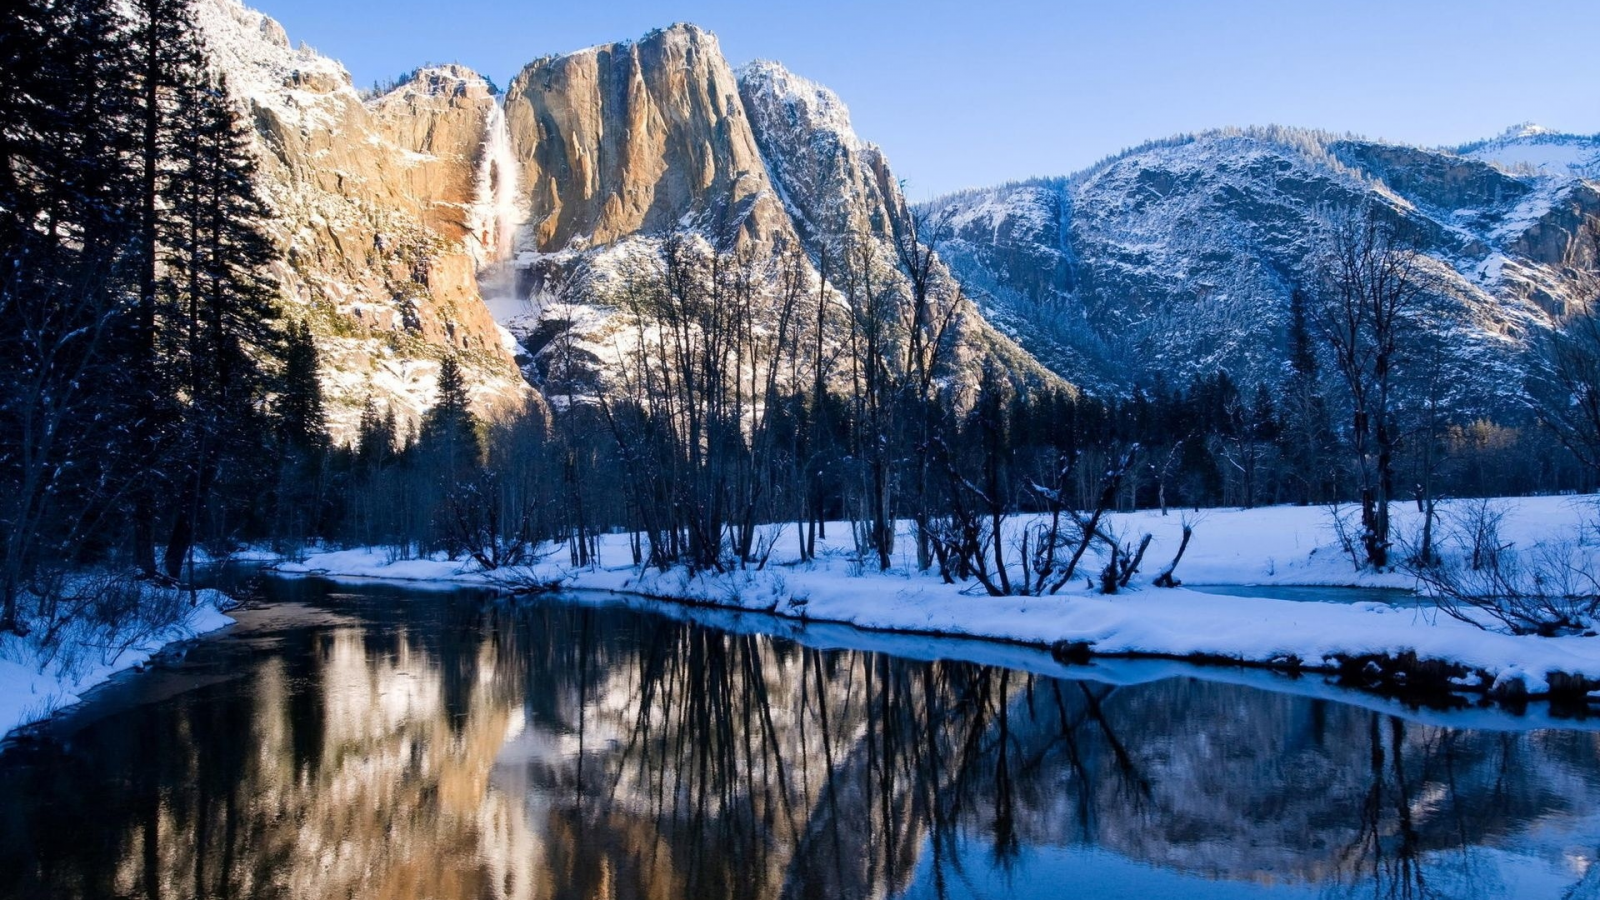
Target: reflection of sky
1053,872
1042,871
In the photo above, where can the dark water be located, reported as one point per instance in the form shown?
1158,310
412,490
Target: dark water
379,742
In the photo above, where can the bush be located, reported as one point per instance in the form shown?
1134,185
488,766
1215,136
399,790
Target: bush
1549,588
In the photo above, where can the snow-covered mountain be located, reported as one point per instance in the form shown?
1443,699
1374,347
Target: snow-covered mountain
1530,149
415,219
1179,257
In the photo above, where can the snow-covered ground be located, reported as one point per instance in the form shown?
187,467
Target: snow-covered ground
1271,546
37,679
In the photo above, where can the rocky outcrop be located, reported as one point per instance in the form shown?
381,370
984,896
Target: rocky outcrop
639,138
834,183
400,214
624,143
373,201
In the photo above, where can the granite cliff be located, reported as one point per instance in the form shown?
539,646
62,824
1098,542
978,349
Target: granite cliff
374,200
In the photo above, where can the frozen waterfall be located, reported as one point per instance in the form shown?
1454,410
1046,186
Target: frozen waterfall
496,211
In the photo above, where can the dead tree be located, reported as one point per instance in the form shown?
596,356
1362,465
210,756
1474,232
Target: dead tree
1373,284
1089,526
1165,577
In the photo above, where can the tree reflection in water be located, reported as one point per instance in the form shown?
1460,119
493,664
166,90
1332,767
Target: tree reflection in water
443,746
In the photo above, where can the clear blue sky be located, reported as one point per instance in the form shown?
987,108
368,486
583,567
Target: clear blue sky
973,93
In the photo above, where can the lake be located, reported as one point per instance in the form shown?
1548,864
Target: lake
379,741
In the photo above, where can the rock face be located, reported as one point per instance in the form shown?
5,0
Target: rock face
401,214
1178,258
624,143
637,138
373,199
835,183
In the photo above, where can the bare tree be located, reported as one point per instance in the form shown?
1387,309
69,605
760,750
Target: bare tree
1373,282
935,303
695,407
873,379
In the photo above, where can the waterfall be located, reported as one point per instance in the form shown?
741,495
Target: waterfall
495,210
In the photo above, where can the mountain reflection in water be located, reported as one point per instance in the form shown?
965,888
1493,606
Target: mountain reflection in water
389,743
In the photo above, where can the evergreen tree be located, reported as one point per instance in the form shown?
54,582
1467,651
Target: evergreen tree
447,461
302,422
222,331
65,184
376,437
450,428
167,66
1307,433
303,450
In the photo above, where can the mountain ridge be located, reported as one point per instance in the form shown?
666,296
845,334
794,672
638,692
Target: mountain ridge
1208,234
1172,258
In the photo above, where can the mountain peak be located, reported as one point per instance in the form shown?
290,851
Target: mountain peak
1530,149
678,34
1526,129
683,31
809,104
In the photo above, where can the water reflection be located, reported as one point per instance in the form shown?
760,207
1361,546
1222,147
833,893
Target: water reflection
442,746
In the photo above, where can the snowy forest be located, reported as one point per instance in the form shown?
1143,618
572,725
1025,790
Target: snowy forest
162,400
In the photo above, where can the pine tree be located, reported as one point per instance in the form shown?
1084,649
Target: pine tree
137,320
302,422
376,437
65,185
223,303
450,428
447,461
1307,432
167,62
302,439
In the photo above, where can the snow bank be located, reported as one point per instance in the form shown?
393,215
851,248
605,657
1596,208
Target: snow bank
1275,545
36,681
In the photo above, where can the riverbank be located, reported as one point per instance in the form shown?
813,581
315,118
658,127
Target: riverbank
41,674
1375,643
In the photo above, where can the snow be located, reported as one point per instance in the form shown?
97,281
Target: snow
835,601
1533,149
36,681
1178,257
806,103
1274,545
254,51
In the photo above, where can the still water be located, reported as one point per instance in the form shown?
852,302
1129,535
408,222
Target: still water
1318,594
380,742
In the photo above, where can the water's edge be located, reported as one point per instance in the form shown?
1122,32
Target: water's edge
1418,689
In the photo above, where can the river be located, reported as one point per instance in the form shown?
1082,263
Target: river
388,742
